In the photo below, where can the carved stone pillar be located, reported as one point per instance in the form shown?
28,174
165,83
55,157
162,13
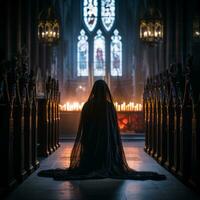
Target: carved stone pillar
43,140
7,180
150,121
186,135
160,143
49,115
27,132
158,120
18,114
34,121
153,115
145,110
57,114
164,123
154,120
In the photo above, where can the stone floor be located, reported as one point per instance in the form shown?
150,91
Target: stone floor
39,188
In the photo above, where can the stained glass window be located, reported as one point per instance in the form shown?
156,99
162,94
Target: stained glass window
82,54
90,12
90,16
108,13
116,54
99,54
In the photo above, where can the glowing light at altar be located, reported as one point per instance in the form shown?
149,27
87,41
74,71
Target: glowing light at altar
72,106
131,106
77,106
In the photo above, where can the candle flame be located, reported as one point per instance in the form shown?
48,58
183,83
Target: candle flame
77,106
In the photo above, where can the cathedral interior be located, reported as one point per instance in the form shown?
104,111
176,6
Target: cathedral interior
148,53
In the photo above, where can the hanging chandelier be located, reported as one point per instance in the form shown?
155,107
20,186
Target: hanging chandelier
48,27
151,27
196,28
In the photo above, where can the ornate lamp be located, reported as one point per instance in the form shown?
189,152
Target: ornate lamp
196,28
151,27
48,27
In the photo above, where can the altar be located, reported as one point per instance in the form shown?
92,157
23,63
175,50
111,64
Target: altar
130,119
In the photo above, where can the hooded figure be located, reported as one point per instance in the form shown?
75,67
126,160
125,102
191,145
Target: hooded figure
98,150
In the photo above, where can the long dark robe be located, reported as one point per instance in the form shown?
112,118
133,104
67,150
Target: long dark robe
98,151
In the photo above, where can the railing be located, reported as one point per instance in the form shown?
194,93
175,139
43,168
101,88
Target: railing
172,121
28,125
49,118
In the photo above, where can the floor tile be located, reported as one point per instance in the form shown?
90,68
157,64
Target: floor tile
39,188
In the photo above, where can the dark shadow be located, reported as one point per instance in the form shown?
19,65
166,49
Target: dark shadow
102,189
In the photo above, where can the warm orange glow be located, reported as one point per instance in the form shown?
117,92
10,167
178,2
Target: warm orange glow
131,106
121,126
77,106
125,121
72,106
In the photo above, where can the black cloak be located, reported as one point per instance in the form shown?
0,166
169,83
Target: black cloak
98,151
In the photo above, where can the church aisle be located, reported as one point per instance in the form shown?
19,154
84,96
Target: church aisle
47,189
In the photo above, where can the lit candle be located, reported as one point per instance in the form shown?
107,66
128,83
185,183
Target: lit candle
149,32
77,106
197,33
